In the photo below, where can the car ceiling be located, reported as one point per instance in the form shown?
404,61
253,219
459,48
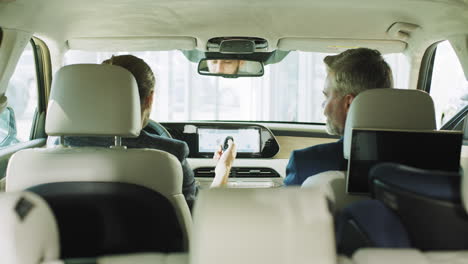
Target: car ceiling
64,20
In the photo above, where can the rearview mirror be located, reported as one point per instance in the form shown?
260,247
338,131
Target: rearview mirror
230,68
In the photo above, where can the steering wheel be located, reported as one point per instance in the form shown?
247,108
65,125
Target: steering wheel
156,128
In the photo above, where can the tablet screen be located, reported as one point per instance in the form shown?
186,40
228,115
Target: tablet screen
431,150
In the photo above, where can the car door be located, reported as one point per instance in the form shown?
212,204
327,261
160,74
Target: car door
23,110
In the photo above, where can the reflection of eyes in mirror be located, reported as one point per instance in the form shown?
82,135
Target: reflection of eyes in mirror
229,67
224,66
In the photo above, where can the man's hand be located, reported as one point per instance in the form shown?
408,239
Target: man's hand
223,167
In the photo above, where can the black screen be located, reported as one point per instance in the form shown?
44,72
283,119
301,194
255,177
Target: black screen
433,150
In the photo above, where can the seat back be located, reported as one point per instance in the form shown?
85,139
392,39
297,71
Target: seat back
287,225
383,108
427,202
103,100
389,109
408,192
113,218
28,231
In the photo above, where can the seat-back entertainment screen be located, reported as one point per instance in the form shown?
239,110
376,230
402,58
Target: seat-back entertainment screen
247,139
432,150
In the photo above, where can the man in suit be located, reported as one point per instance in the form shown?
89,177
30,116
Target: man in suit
149,138
348,74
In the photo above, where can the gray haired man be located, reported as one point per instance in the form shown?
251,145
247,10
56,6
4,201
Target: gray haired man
349,73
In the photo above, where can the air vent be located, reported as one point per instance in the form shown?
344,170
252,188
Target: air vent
239,172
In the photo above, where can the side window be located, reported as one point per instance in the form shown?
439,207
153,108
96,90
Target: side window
449,87
17,119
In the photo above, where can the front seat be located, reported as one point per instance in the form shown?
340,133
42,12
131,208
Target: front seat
106,200
385,108
427,202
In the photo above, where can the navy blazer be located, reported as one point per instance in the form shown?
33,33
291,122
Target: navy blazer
149,140
313,160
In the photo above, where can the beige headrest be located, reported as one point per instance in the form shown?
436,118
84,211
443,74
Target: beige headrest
389,109
287,225
28,231
94,100
46,165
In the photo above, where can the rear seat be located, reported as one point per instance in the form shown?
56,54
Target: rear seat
287,225
231,226
28,230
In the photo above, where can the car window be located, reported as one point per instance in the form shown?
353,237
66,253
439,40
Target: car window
17,119
449,87
290,91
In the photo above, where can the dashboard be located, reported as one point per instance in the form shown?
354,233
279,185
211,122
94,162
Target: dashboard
256,145
203,139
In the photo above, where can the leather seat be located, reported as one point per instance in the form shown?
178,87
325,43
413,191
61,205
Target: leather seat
384,108
93,188
286,225
412,256
29,235
428,203
28,229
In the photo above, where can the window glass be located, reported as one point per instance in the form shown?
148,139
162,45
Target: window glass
16,121
449,87
290,91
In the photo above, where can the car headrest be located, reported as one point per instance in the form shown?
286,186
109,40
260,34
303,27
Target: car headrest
389,108
29,233
287,225
94,100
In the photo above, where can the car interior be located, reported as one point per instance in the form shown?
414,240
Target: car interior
248,72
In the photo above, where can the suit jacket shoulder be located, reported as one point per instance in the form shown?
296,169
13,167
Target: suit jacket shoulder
313,160
147,140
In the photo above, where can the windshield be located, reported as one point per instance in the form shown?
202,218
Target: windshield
290,91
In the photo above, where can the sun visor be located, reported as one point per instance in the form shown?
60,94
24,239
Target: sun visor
460,45
339,45
115,44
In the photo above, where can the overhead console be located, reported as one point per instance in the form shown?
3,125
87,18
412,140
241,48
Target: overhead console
203,139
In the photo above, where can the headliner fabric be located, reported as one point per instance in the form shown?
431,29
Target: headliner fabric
272,20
